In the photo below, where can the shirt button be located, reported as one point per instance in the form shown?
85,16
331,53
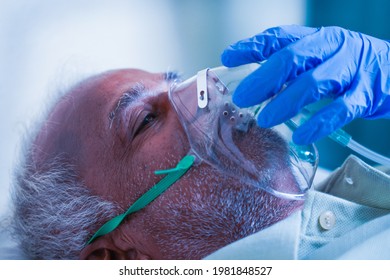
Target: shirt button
327,220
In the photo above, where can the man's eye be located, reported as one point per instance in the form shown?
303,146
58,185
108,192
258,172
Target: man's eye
147,120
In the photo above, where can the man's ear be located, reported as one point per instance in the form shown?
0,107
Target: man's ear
105,249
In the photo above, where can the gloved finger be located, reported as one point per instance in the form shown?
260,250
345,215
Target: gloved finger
286,65
260,85
307,88
356,102
263,45
330,118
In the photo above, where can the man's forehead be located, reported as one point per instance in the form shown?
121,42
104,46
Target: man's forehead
86,105
116,80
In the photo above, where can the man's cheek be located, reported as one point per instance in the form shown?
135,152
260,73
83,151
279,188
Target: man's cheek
172,144
154,156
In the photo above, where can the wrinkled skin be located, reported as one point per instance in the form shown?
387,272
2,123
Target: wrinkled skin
115,152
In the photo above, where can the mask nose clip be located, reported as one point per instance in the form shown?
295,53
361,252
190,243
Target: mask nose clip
201,85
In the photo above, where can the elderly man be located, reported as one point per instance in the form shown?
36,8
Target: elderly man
95,155
97,152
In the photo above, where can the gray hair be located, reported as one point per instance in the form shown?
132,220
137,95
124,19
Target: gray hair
54,214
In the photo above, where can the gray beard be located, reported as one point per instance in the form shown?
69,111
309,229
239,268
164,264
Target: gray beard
208,221
217,209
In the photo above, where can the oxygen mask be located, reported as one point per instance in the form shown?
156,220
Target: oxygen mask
227,138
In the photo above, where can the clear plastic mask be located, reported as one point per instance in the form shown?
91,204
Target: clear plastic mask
219,131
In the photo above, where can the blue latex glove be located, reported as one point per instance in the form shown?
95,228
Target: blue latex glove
329,62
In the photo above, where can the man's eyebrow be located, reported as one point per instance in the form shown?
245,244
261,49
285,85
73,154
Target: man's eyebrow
134,93
170,76
126,99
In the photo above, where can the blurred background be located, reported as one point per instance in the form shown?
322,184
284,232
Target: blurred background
47,44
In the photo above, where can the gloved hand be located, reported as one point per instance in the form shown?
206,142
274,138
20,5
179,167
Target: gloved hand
329,62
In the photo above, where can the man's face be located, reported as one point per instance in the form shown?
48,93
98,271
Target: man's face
118,128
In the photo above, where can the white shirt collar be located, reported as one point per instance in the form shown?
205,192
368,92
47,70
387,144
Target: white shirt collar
277,242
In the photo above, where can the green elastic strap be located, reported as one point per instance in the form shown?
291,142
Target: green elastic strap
173,175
